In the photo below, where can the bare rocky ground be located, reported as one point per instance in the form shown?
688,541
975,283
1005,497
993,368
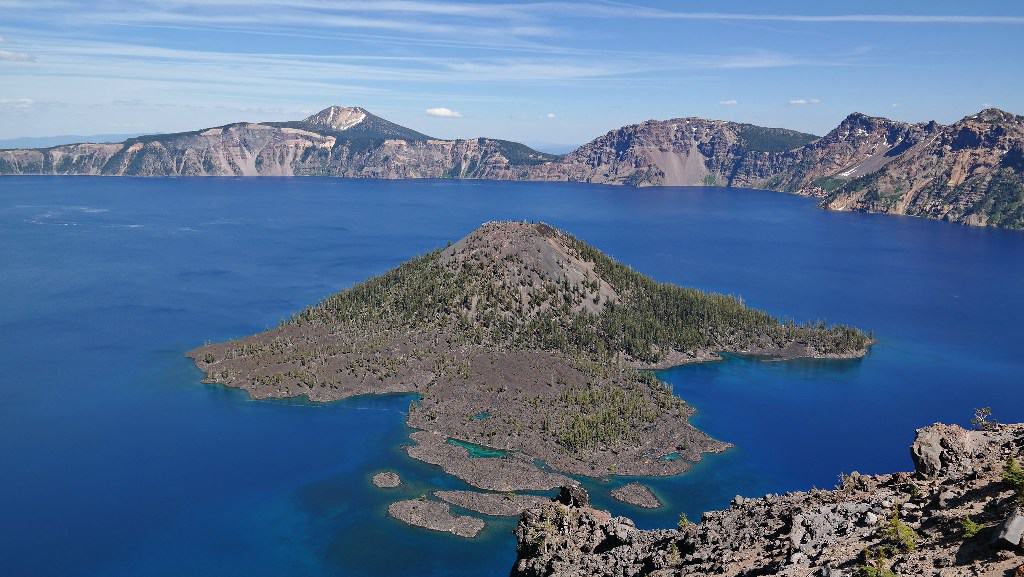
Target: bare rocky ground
903,524
436,516
495,504
638,495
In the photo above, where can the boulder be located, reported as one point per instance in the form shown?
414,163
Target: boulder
1012,530
573,496
942,450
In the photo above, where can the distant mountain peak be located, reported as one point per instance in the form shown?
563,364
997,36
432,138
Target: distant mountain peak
338,117
994,115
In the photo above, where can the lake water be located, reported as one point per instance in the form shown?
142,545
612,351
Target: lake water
116,461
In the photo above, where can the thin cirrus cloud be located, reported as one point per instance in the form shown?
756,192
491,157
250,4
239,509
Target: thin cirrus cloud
804,101
442,112
528,11
12,56
16,103
730,102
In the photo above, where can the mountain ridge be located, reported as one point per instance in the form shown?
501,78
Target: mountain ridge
970,171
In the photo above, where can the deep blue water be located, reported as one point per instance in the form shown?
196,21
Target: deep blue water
116,461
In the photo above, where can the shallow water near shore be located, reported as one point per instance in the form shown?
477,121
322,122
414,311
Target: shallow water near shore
118,462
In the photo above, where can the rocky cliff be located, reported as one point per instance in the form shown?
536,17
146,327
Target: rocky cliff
970,172
958,514
336,141
679,152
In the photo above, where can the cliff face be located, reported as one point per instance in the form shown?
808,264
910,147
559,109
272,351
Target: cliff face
337,141
678,152
970,172
889,525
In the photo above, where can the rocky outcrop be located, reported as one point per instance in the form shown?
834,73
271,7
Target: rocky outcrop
953,517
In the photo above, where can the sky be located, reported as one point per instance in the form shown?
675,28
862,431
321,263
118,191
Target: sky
546,73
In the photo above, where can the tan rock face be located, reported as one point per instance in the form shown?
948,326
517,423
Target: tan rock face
968,172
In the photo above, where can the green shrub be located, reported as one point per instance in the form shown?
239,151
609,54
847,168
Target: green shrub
874,571
970,527
674,557
1013,474
897,536
876,564
683,521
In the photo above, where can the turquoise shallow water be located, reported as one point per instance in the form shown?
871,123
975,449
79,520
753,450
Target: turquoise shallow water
118,462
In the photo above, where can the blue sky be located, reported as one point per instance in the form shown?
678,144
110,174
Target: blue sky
539,72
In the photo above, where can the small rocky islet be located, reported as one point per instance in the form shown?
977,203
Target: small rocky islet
637,495
435,515
544,335
386,480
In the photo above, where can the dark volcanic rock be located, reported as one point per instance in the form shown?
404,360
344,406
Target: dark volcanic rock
814,533
573,496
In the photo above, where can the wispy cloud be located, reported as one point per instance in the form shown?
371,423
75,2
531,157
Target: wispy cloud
16,103
12,56
804,101
730,102
443,112
550,115
634,11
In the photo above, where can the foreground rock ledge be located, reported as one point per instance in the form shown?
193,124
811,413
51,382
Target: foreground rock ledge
435,516
638,495
816,533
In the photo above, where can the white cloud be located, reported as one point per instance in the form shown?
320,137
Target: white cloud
443,112
16,103
550,115
803,101
11,56
730,102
